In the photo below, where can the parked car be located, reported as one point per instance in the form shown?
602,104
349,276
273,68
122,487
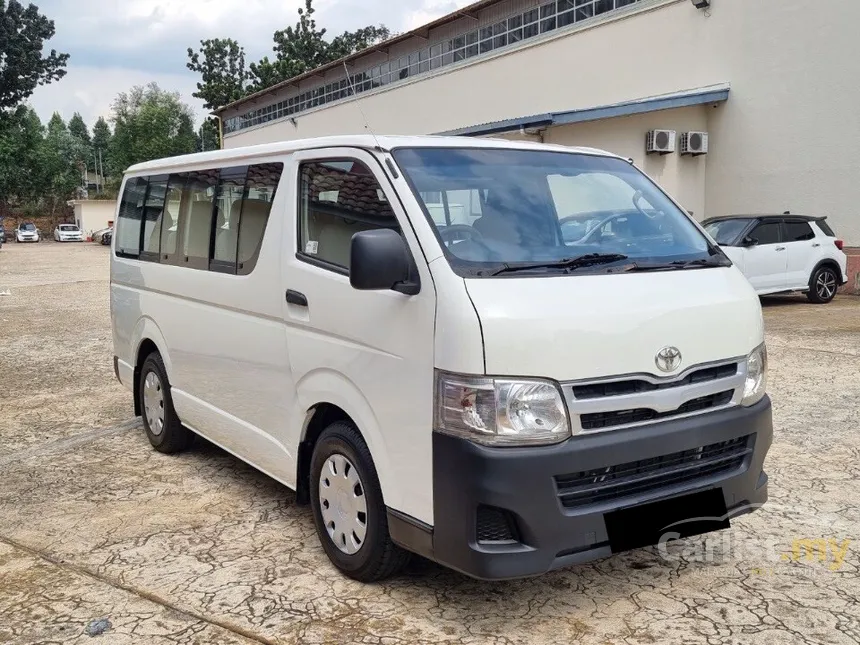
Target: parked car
106,237
2,235
68,233
783,253
98,235
27,232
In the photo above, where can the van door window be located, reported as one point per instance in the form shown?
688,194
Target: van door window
195,218
152,217
260,187
228,204
339,199
170,216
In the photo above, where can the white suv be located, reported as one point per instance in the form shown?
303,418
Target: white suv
779,253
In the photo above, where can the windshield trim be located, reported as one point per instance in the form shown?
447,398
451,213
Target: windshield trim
471,269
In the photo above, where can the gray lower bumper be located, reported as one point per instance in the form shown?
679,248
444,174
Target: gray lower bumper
550,531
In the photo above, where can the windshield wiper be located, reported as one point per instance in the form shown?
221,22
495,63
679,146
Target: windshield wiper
567,263
678,265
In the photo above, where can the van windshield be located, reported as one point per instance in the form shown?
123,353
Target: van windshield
498,209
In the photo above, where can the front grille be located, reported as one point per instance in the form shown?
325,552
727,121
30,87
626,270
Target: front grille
495,526
636,386
602,420
646,475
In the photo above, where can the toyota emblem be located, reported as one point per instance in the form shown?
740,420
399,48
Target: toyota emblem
668,359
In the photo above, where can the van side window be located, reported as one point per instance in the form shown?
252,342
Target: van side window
153,208
337,200
211,219
195,217
257,199
228,205
170,216
130,215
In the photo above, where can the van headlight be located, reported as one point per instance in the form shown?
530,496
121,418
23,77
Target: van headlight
500,411
756,379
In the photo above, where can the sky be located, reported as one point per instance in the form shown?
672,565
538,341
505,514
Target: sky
116,44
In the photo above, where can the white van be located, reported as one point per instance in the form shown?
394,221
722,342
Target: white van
506,357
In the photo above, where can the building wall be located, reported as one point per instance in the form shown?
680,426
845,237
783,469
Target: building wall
93,215
785,140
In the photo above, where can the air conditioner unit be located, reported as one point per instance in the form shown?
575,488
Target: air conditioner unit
662,141
694,143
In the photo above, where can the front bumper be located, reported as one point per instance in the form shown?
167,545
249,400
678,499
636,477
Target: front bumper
523,483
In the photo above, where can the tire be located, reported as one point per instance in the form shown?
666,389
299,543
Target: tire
823,285
376,556
163,428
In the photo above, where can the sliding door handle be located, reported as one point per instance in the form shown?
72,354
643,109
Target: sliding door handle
296,298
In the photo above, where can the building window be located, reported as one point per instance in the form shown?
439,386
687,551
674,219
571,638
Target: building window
546,18
339,199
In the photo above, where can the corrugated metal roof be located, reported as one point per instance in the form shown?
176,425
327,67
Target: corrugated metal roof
420,32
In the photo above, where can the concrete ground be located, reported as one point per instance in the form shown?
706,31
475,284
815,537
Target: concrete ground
199,548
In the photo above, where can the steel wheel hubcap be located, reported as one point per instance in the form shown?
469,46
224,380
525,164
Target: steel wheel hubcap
153,403
826,284
342,504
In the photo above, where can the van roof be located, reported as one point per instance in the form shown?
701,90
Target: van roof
365,141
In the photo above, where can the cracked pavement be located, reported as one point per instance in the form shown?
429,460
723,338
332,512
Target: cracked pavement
200,548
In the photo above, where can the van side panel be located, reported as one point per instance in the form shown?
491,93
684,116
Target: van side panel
222,340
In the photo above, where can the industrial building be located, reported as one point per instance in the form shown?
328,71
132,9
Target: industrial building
735,106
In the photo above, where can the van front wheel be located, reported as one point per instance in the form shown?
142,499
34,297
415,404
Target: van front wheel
349,513
163,428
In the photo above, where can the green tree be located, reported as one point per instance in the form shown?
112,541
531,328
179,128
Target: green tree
223,75
23,177
101,135
56,125
208,137
78,128
303,47
149,123
63,158
23,67
101,143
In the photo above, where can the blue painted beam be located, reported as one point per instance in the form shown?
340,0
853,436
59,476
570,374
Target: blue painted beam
666,102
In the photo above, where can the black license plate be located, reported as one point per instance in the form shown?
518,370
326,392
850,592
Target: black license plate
638,526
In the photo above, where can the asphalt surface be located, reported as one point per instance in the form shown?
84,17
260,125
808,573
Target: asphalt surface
200,548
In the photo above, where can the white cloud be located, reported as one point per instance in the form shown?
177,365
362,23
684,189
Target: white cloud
116,44
92,90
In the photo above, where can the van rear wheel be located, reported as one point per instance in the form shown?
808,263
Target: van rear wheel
163,428
349,513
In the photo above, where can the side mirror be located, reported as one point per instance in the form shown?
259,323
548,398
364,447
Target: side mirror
380,260
749,241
